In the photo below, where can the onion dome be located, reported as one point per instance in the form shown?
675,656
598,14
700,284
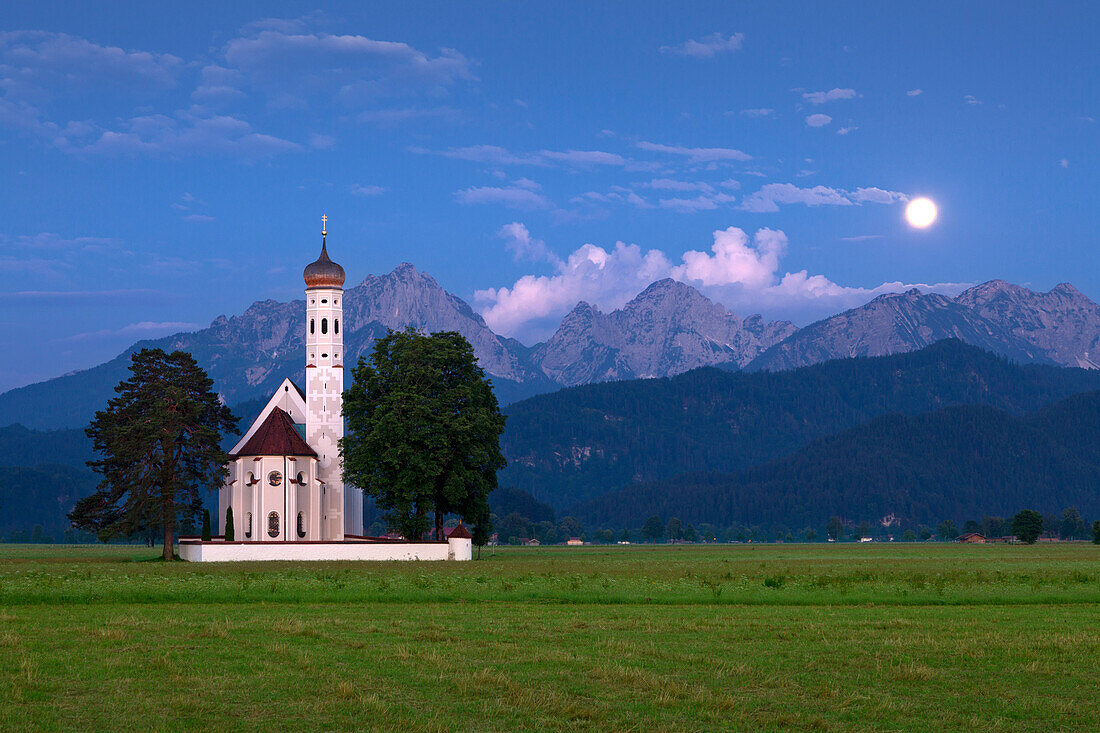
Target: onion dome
323,272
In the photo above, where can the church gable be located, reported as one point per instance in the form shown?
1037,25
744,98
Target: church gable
289,398
276,436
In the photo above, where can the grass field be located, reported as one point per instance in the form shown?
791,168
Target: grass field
756,637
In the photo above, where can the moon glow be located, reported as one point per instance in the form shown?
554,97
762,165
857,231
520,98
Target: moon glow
920,213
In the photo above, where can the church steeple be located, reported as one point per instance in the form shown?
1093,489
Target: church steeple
323,272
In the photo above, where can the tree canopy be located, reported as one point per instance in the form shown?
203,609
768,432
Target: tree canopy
1027,525
158,444
423,432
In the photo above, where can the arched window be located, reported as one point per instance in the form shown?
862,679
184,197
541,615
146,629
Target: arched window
248,526
301,525
273,524
324,325
300,478
336,325
311,325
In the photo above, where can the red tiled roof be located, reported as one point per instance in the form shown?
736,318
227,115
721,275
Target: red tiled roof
459,532
277,436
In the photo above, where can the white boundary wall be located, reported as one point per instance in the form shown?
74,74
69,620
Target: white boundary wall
215,551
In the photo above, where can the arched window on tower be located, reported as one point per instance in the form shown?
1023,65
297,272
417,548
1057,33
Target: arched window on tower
301,525
311,325
336,325
324,325
248,526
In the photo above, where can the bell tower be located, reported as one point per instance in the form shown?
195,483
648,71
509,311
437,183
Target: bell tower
324,279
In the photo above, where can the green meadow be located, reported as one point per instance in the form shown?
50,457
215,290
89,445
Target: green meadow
744,637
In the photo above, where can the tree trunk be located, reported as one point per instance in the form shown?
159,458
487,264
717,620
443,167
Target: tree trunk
438,525
167,554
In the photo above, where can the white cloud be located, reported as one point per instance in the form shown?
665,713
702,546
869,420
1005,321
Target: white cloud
185,133
523,246
407,114
496,155
758,112
140,330
361,190
668,184
737,271
36,63
199,218
818,120
514,197
702,202
772,195
915,92
846,130
971,99
291,64
830,96
1064,162
707,47
696,155
861,238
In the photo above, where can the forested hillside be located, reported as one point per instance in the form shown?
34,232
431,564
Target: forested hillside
41,495
958,463
578,443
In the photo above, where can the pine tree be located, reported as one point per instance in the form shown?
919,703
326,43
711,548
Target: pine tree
205,525
229,534
159,445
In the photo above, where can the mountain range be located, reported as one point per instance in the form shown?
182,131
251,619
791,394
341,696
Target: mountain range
667,329
579,443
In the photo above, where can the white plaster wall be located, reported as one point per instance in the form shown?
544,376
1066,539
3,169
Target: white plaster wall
253,551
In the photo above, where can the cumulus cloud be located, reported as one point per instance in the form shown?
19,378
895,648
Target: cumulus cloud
830,96
818,120
523,246
707,47
914,92
514,197
770,196
739,271
696,155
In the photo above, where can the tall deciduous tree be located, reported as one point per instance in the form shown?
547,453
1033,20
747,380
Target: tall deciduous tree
653,528
158,444
1028,525
835,527
423,431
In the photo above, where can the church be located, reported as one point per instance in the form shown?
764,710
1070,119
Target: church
285,485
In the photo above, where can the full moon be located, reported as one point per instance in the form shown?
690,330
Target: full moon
921,212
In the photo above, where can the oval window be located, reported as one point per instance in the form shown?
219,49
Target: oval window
301,478
324,325
275,478
301,525
273,524
324,301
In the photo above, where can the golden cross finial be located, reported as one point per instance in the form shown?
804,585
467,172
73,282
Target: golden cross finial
324,223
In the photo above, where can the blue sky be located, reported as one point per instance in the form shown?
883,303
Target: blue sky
167,164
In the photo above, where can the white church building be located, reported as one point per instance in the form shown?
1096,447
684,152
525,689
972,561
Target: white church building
285,485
